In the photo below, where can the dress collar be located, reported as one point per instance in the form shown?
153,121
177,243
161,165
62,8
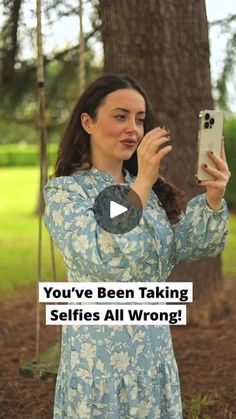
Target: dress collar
106,176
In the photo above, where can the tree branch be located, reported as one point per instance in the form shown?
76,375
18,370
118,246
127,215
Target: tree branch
223,22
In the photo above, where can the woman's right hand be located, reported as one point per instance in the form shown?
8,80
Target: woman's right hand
149,156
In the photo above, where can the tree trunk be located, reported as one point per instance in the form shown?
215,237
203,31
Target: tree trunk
164,45
10,41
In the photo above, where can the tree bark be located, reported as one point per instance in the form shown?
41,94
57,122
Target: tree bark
164,45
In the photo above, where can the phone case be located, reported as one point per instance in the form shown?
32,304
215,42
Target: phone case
209,138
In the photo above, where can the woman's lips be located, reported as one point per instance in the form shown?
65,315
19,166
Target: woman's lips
128,143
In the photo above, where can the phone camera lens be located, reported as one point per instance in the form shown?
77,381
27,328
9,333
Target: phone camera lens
206,125
212,120
207,116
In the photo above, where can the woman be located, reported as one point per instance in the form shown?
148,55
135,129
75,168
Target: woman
123,372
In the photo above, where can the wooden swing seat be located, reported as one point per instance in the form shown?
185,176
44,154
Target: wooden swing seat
46,369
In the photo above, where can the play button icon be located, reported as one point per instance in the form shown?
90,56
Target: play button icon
117,209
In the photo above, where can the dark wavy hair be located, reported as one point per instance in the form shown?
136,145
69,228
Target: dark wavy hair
74,148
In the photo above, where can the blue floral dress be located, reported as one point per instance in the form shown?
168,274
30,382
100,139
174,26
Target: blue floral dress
122,372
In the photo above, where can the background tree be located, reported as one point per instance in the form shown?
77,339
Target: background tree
9,41
18,87
17,75
227,26
164,44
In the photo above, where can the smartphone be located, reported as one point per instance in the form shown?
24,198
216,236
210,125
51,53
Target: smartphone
209,138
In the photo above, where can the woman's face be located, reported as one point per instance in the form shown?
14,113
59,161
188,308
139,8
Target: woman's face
120,118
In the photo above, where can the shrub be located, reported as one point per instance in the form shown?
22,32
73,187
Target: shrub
24,154
230,149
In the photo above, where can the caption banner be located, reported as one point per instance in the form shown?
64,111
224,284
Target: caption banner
118,295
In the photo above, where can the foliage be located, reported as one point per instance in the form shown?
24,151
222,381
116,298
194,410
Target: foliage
14,132
228,256
18,77
230,147
228,70
24,155
61,89
194,408
18,85
9,42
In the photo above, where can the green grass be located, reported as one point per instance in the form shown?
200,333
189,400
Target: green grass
195,408
19,233
229,253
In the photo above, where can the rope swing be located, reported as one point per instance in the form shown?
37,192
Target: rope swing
45,365
43,166
36,369
81,50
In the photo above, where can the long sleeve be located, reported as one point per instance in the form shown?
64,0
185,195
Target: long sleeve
201,232
70,220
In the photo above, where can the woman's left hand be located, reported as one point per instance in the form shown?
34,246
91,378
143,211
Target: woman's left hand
216,188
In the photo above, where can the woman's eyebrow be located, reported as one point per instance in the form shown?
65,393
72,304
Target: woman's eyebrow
126,110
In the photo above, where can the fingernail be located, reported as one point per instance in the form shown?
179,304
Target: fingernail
198,181
211,152
204,165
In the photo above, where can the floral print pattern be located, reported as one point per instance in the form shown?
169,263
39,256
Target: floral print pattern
122,372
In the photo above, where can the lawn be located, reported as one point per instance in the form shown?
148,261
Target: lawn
19,233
